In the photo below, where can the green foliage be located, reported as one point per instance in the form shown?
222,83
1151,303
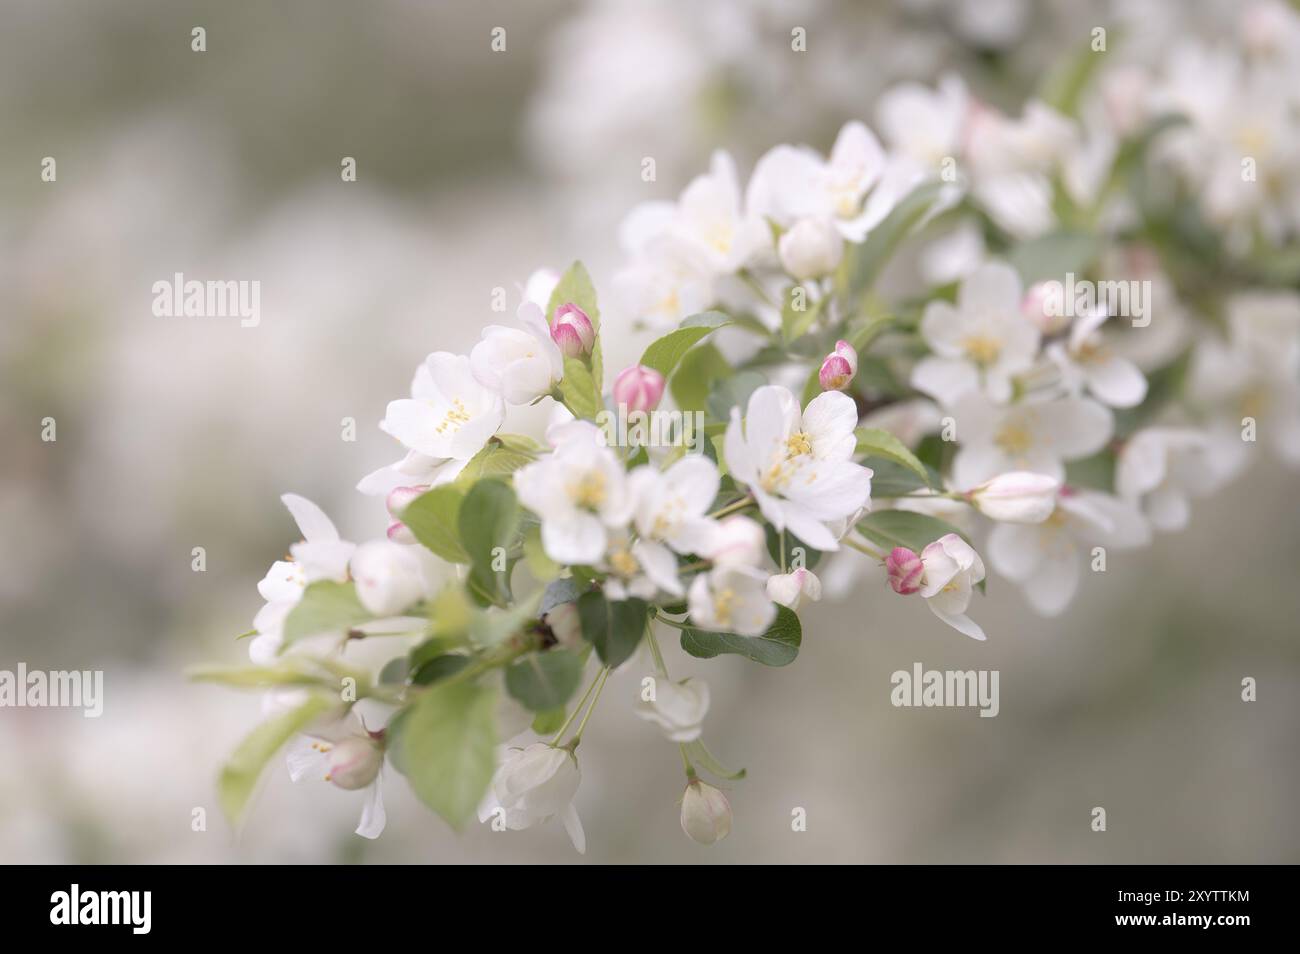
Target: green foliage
700,369
880,443
544,681
777,647
447,742
614,628
325,607
488,520
664,354
434,518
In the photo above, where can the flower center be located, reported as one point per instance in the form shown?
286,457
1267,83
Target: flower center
589,491
982,349
623,562
798,444
454,418
1014,439
724,603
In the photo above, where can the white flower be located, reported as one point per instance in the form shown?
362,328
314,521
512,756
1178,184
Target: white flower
533,785
810,249
788,588
1085,360
1160,467
1017,497
707,232
388,577
792,183
736,540
446,421
671,504
321,555
984,340
678,708
797,466
1045,559
731,599
580,492
639,568
924,124
520,364
951,570
664,282
1037,435
706,813
343,752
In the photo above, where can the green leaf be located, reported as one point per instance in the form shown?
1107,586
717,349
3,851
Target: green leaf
889,480
548,722
447,743
434,518
795,322
1052,256
496,459
697,374
702,757
734,392
546,680
667,352
863,263
904,528
578,390
239,775
438,668
614,628
777,647
325,607
880,443
488,520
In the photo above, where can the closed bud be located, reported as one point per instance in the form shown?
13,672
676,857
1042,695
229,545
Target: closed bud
905,569
737,541
572,330
1017,497
706,813
839,367
789,588
638,388
810,249
354,762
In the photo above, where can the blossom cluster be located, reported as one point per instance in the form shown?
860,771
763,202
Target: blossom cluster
1045,379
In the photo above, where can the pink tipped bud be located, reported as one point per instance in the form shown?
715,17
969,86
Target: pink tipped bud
638,388
399,532
571,329
839,367
399,498
905,569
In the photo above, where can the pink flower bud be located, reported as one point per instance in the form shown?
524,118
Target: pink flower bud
839,367
354,763
905,569
399,498
638,388
571,329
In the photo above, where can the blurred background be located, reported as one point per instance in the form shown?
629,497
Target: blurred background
474,168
